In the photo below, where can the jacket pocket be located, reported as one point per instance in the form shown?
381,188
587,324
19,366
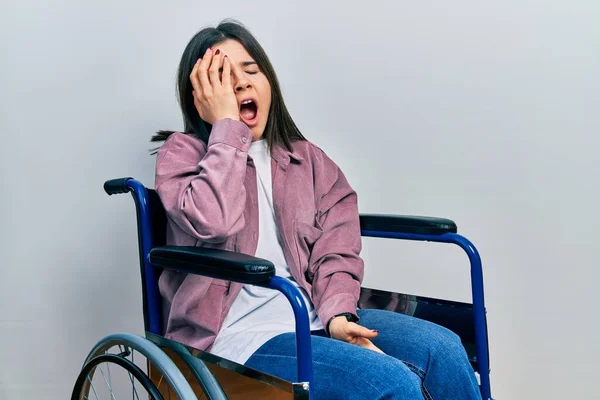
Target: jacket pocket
306,235
220,282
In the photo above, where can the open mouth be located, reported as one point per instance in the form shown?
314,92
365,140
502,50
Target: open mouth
249,112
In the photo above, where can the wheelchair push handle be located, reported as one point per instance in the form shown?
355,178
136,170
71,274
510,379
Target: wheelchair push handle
117,186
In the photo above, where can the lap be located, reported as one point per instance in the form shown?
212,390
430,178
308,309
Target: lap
420,358
338,368
409,339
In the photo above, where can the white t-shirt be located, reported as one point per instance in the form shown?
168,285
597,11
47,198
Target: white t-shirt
259,314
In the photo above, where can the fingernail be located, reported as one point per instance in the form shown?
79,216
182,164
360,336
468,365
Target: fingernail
374,330
208,50
218,52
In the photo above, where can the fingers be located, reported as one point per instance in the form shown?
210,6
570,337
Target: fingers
354,329
202,74
367,344
227,73
215,66
194,78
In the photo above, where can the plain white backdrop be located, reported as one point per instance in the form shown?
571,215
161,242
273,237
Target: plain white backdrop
483,112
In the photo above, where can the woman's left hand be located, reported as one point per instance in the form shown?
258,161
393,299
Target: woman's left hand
342,329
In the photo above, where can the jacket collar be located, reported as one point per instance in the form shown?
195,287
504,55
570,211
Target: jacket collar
283,156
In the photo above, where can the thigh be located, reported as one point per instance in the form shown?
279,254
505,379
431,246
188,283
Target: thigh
341,370
411,340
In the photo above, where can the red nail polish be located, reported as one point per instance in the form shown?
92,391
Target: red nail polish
217,52
374,330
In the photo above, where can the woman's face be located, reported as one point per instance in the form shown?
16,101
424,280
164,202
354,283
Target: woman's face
249,84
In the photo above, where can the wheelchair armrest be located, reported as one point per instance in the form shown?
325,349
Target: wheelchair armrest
407,224
219,264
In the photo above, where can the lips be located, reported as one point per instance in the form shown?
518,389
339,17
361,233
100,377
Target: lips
249,111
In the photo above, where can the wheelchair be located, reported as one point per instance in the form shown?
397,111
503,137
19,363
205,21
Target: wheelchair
155,367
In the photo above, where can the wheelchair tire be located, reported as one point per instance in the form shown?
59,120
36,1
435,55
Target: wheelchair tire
135,371
210,385
171,375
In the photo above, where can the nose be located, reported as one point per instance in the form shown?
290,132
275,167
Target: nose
241,81
242,84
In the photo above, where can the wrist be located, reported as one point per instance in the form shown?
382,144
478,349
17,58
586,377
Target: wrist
341,318
335,323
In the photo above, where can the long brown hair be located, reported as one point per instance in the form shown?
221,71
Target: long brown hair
280,128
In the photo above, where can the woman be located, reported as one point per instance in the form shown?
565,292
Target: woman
243,178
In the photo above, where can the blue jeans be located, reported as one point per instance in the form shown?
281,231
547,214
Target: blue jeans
422,361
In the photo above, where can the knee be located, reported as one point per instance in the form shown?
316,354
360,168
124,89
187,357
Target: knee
448,346
381,377
448,339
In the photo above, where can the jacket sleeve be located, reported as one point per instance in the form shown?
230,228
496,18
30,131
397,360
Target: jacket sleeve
202,186
335,261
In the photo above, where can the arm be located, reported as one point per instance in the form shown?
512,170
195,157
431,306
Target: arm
203,190
335,261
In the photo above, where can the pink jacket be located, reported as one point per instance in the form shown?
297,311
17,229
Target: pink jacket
210,195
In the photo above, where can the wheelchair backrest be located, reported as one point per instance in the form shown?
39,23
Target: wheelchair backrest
159,219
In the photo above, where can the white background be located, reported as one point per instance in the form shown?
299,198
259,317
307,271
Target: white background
483,112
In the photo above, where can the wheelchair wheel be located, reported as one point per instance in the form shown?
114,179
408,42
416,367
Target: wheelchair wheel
128,366
198,372
133,371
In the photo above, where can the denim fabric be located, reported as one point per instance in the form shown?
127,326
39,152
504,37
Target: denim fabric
423,361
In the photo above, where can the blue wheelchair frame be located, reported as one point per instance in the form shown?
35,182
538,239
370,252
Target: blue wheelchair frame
152,300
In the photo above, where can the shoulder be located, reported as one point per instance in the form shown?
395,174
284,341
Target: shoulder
325,172
182,146
313,154
182,141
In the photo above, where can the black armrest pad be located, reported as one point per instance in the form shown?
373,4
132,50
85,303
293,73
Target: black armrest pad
214,263
407,224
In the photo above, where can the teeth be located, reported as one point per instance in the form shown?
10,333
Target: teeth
247,102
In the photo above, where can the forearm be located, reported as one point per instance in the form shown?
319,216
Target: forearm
206,197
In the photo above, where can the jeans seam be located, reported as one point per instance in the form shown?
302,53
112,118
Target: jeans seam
320,363
422,374
428,395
